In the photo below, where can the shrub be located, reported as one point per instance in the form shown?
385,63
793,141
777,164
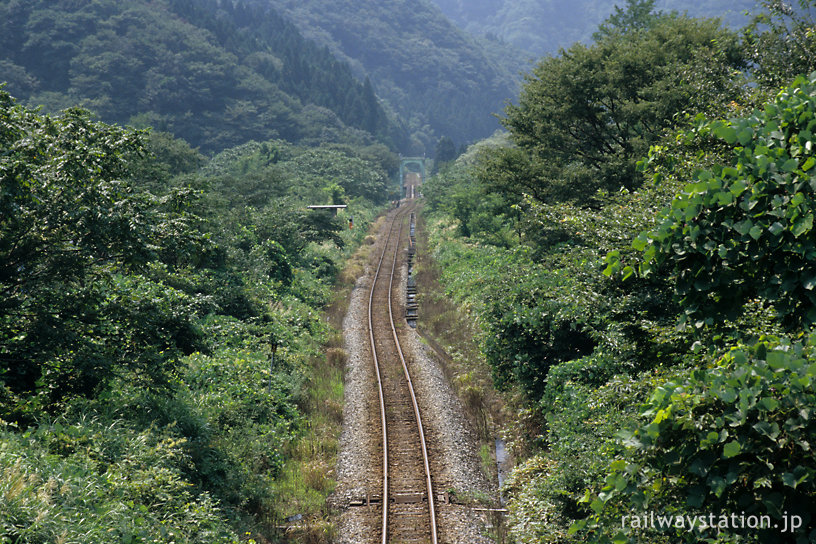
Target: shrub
533,321
546,491
91,482
745,230
734,438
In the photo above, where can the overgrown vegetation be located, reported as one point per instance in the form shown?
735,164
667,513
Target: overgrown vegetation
637,253
160,330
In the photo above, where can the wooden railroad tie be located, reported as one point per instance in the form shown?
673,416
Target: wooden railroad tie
442,497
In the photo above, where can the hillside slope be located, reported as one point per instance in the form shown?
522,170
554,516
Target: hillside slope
543,26
442,81
210,71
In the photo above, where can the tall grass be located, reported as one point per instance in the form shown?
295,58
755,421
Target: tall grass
92,482
448,327
308,475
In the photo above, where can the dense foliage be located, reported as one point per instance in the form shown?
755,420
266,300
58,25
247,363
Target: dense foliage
761,390
143,302
71,227
216,73
743,230
731,438
586,116
159,317
679,384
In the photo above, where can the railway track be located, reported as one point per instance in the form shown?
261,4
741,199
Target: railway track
408,509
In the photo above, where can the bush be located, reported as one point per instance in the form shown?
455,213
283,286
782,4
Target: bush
91,482
546,492
744,231
531,324
732,438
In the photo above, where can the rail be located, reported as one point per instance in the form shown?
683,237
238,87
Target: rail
431,507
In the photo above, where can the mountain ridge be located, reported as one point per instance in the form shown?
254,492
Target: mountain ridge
542,27
212,72
441,80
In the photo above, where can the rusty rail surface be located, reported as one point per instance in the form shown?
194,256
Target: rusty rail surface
398,220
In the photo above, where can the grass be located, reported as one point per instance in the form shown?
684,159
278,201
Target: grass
90,496
449,329
307,478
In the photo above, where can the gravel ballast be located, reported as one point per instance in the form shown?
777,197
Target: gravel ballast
456,464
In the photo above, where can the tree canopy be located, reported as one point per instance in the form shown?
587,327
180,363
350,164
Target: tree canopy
585,117
637,254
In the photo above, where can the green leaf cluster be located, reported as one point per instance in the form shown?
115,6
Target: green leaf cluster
744,230
732,438
75,240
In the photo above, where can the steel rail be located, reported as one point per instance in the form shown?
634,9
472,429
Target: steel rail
431,507
385,500
380,388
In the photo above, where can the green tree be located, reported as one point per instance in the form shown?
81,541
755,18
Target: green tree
75,238
781,43
445,150
638,15
731,439
585,117
357,177
744,230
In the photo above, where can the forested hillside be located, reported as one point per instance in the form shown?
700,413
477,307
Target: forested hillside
638,253
442,82
216,73
542,27
161,339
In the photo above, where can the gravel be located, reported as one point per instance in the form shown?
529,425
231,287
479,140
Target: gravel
456,463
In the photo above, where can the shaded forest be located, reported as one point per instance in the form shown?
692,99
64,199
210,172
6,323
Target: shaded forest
214,73
441,82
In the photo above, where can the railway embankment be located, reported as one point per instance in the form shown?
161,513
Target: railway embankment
462,493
